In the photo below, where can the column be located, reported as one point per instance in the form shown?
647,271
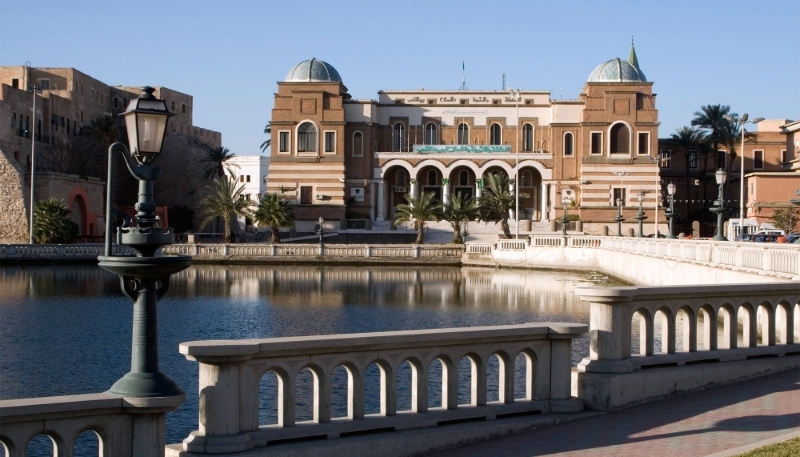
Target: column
372,200
478,188
414,186
545,214
445,191
381,201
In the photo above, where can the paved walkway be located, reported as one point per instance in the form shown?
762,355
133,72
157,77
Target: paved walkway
698,424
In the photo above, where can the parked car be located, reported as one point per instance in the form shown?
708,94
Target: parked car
764,238
793,237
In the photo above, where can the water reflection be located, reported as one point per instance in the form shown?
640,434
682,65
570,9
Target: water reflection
66,330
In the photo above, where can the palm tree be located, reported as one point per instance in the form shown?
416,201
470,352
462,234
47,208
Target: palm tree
226,200
497,200
52,223
711,118
458,212
266,144
276,212
216,159
420,209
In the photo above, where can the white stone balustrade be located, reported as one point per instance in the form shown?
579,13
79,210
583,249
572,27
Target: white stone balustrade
230,372
769,315
10,253
126,427
513,245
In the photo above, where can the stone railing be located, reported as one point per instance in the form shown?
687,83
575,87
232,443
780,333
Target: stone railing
300,252
513,245
698,325
10,253
125,427
230,372
776,259
479,248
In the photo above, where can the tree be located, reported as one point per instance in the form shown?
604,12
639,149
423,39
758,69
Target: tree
276,212
216,159
786,219
266,144
497,200
458,212
711,119
226,200
52,223
419,210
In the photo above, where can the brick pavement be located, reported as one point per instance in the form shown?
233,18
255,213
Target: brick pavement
697,424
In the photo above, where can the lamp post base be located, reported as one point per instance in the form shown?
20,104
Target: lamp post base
145,385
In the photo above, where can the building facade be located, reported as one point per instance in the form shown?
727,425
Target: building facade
67,104
332,154
250,172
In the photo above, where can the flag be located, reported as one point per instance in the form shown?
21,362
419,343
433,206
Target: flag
462,64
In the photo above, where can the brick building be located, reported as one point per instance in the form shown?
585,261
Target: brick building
331,154
66,106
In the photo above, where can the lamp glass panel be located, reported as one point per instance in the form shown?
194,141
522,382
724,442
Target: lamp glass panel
720,176
150,132
130,124
671,189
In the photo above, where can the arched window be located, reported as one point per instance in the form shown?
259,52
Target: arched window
39,130
527,137
398,137
620,139
358,144
568,144
431,136
463,178
495,134
433,178
14,120
463,134
307,137
27,127
527,178
400,178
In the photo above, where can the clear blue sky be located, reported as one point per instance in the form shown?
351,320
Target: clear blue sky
229,54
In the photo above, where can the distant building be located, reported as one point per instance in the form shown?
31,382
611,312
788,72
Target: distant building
331,153
251,171
66,107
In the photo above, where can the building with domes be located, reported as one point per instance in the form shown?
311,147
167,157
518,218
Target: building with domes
333,155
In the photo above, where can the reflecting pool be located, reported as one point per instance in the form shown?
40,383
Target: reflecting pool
66,329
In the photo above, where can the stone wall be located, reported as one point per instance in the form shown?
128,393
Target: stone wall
13,199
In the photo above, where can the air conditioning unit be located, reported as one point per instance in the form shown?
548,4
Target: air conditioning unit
401,189
540,151
320,196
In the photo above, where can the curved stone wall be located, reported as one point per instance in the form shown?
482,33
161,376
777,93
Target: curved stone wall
13,198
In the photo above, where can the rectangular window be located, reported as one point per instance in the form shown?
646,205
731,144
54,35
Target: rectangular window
92,94
172,104
241,178
283,141
784,156
666,158
618,197
15,83
644,144
116,102
183,108
124,101
81,89
597,143
305,195
248,178
693,160
44,84
330,142
758,160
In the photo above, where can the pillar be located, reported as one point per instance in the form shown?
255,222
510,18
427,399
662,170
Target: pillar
414,186
545,215
445,191
478,188
381,201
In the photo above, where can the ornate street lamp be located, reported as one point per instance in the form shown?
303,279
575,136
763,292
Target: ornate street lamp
720,176
321,233
145,278
565,220
640,215
618,219
671,214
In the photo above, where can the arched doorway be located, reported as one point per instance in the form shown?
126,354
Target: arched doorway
530,183
78,214
462,179
398,184
430,180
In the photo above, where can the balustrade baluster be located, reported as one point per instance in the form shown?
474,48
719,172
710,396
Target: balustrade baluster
449,384
419,387
388,390
478,381
506,386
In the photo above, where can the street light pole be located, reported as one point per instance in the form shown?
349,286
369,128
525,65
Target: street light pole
640,215
33,154
516,96
720,209
742,121
672,214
